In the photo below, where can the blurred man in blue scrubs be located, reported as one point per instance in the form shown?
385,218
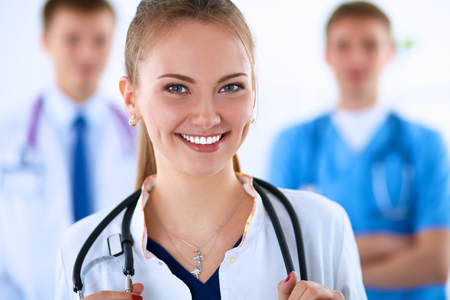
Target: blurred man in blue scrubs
391,175
70,154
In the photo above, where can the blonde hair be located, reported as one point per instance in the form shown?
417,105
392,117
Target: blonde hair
155,17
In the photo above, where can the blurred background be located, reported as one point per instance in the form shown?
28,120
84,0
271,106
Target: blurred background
295,84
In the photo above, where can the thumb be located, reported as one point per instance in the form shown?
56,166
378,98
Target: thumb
138,288
286,286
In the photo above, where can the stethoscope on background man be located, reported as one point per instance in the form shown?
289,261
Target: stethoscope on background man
28,151
395,146
29,166
127,240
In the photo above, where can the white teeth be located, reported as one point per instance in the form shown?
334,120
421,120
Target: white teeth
202,140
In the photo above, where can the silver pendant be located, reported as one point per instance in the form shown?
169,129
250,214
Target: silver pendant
196,272
198,269
198,256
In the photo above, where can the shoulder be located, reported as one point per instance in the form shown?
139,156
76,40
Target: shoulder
312,206
81,229
418,132
426,144
16,121
300,135
319,217
76,235
304,128
15,117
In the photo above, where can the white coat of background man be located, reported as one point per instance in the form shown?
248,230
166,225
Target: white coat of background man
70,154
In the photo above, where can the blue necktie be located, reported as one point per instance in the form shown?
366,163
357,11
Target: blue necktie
80,178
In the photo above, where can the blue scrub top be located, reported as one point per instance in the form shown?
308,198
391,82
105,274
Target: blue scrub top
313,154
210,290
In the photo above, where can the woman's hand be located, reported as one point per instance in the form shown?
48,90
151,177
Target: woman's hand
289,289
110,295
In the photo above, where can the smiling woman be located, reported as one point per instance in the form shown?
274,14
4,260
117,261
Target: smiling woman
191,84
212,97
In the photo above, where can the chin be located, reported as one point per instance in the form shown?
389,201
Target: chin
203,169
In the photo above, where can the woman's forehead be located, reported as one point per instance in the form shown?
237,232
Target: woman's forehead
197,49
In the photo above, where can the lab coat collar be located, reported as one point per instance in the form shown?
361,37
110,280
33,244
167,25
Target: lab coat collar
253,226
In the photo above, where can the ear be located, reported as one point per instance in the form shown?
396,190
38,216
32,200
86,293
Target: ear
45,40
393,51
126,89
327,53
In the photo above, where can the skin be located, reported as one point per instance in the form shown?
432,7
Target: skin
358,50
79,45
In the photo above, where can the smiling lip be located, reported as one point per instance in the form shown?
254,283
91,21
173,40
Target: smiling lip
203,143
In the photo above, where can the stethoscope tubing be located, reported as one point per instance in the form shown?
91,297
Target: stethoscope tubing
34,122
294,220
127,240
129,202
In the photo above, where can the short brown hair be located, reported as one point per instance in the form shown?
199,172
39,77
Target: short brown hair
358,9
84,6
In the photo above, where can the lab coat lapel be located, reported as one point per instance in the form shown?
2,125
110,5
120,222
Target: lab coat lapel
154,274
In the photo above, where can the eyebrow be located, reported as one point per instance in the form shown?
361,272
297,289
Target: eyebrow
190,80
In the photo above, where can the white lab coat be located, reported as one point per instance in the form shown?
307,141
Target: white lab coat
250,271
36,208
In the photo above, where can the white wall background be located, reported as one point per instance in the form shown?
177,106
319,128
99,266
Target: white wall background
295,83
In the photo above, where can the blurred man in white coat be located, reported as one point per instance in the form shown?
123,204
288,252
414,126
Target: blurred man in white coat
70,154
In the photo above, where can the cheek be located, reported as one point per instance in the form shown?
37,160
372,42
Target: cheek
239,114
160,116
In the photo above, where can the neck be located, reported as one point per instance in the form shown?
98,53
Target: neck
358,100
78,94
195,203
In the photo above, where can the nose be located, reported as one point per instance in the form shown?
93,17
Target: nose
205,113
87,51
358,55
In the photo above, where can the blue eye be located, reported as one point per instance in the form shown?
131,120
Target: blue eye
177,88
230,88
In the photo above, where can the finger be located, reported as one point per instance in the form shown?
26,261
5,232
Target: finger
111,295
138,288
286,286
309,290
338,295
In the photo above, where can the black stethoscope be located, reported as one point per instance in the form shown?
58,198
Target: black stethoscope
127,240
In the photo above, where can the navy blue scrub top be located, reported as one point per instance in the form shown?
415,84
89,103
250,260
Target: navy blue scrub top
210,290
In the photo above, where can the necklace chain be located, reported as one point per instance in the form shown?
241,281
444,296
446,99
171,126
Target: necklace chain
200,258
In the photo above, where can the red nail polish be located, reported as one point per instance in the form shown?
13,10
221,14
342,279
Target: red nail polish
136,297
289,277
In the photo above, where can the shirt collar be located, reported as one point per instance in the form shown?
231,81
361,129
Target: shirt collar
62,111
254,221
